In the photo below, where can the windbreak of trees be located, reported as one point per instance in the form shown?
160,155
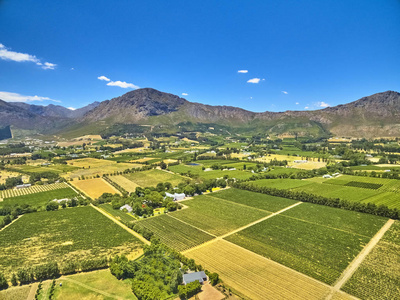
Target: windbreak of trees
370,208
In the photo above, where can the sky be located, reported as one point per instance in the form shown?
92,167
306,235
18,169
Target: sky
258,55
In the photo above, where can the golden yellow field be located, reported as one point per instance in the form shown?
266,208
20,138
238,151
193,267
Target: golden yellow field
255,276
6,174
95,187
143,160
124,182
310,165
92,167
134,150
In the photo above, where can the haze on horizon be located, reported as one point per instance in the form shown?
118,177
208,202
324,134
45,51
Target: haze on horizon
260,55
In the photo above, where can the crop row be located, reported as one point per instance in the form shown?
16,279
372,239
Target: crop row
174,233
364,185
254,276
31,190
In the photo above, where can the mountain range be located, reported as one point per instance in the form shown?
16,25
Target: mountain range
377,115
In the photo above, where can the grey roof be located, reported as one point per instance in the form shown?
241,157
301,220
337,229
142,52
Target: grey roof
200,276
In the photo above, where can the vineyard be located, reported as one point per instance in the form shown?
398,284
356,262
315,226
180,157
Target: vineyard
41,198
124,182
32,190
116,213
62,235
252,199
378,277
174,233
293,243
281,183
256,277
217,216
364,185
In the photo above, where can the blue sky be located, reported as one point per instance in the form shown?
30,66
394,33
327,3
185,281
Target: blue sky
297,54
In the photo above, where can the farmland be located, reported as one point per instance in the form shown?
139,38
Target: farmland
378,277
281,183
7,174
61,235
153,177
293,242
217,216
32,190
125,183
254,276
174,233
93,167
256,200
41,198
116,213
95,187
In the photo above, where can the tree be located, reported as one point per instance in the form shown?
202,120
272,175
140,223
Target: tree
14,280
3,282
163,165
52,205
214,278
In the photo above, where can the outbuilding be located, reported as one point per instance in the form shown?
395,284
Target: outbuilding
191,277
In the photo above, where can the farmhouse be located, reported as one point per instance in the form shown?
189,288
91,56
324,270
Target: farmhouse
327,176
176,196
300,161
60,200
127,207
23,186
191,277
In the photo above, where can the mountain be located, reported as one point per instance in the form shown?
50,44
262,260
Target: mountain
58,111
377,115
373,116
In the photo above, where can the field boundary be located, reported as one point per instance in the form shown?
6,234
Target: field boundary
76,191
137,235
20,216
222,237
353,266
91,288
192,225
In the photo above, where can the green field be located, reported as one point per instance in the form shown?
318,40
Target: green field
116,213
386,185
217,216
310,246
197,170
174,233
378,277
40,199
93,282
51,168
153,177
257,200
61,235
282,183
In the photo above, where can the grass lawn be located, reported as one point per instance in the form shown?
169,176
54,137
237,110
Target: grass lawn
217,216
93,285
61,235
153,177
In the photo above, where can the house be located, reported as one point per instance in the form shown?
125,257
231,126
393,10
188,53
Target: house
60,200
127,207
191,277
300,161
23,186
327,176
176,196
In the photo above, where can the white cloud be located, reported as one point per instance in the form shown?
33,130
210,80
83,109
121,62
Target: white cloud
103,78
6,54
71,108
185,94
322,104
243,71
254,80
306,107
285,92
15,97
297,103
72,69
122,84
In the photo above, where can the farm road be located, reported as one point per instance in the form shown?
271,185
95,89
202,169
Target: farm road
32,292
360,258
137,235
240,228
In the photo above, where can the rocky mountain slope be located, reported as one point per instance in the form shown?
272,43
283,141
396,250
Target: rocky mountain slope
377,115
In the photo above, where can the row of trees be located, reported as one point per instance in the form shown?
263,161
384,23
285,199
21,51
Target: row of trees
370,208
